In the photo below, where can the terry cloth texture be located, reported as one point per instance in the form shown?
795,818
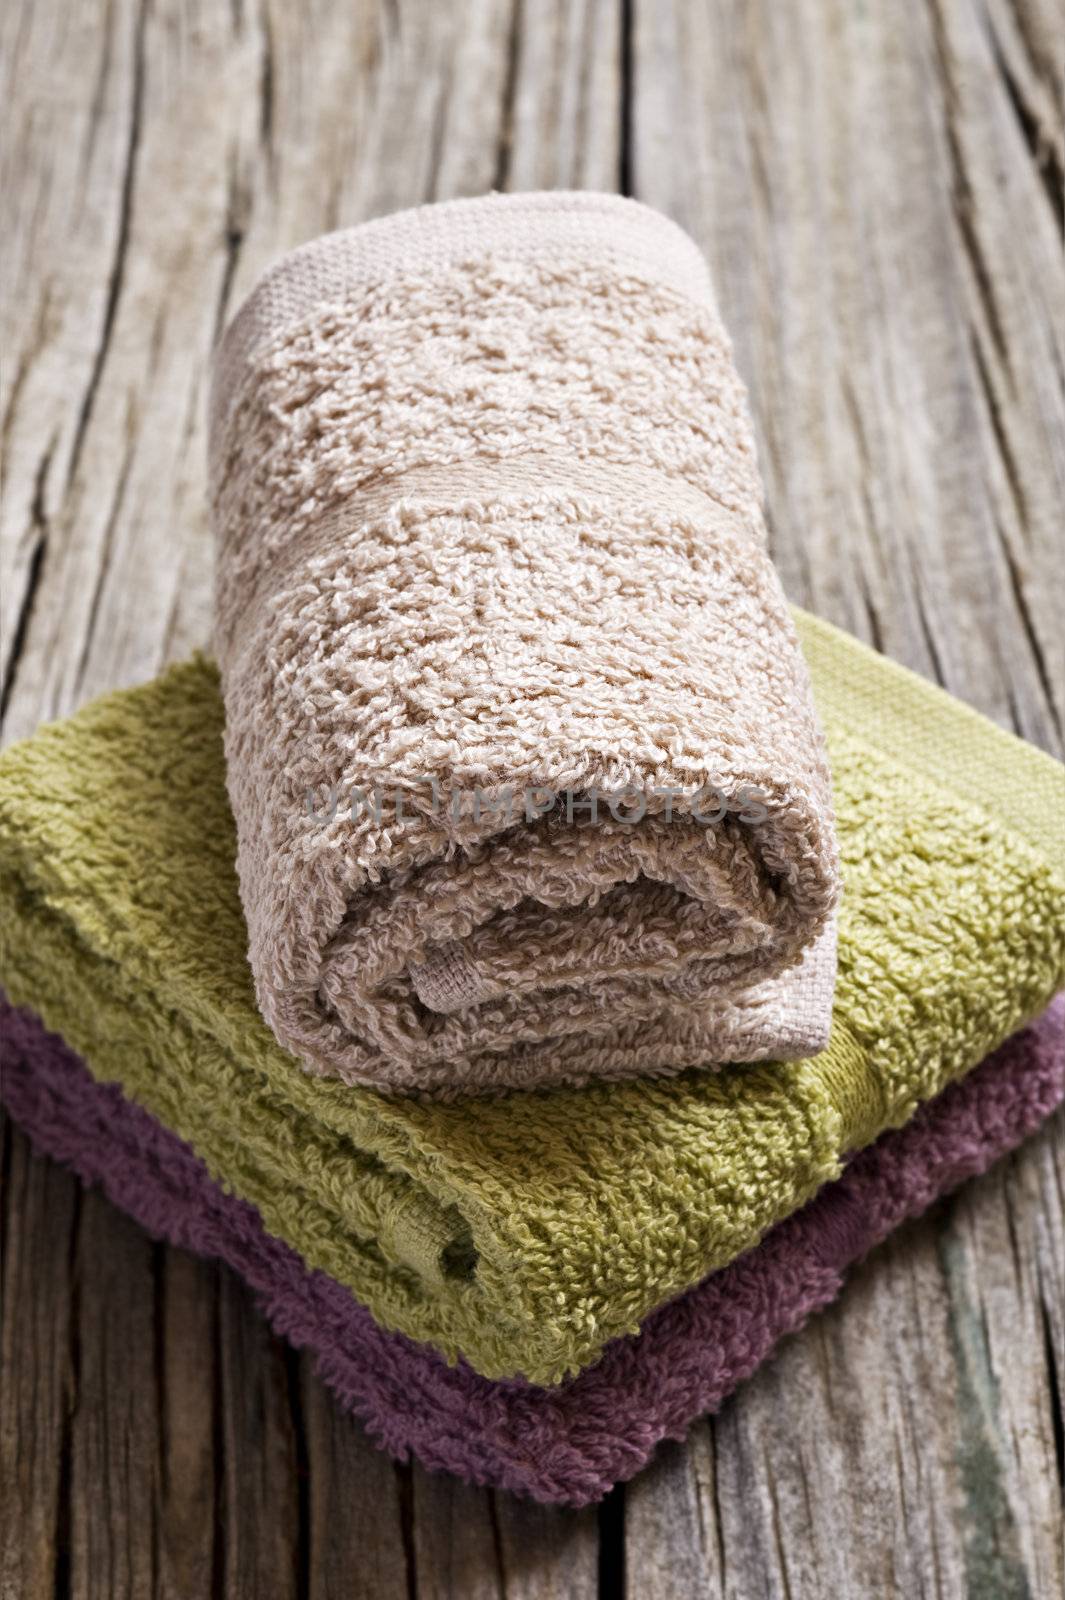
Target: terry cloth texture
566,1445
526,1231
490,555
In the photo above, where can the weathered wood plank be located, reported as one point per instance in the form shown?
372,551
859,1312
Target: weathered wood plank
356,1503
109,315
564,117
38,1321
185,1295
152,189
115,1422
860,183
471,1545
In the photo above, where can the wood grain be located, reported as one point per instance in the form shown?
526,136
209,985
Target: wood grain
880,191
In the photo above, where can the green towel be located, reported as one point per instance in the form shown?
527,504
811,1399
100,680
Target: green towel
527,1231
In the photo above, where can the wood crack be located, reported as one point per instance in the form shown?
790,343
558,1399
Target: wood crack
719,1520
105,556
927,631
237,207
266,85
1016,487
158,1272
505,143
627,108
963,199
1040,146
610,1521
497,1538
436,141
22,372
219,1543
301,1554
118,267
34,575
66,1488
1054,1396
404,1477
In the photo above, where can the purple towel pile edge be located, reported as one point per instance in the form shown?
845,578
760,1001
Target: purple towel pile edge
567,1445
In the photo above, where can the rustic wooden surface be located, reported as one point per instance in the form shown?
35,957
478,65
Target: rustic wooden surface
879,188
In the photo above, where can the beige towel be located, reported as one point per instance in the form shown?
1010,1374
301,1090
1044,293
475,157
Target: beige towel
528,785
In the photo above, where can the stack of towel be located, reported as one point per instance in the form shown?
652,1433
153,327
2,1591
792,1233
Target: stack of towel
461,955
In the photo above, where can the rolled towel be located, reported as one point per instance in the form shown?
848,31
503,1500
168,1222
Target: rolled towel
525,1231
571,1444
528,784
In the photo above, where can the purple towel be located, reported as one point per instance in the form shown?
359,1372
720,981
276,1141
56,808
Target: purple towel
567,1445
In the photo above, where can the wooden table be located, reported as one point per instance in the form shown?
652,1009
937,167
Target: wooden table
879,189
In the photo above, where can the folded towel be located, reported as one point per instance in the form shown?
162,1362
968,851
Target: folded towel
526,1231
566,1445
527,780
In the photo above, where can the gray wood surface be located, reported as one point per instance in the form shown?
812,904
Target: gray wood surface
879,189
